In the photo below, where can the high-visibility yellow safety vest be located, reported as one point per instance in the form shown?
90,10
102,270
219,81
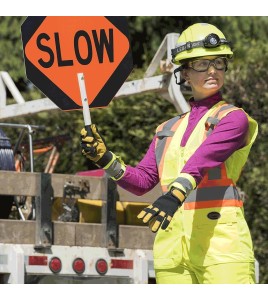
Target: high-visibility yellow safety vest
210,227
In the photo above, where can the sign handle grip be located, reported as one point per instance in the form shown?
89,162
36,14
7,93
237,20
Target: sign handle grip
86,111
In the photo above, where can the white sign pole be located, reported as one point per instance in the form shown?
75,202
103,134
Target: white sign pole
86,111
83,93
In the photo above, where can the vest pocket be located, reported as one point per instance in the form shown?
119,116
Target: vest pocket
214,233
168,245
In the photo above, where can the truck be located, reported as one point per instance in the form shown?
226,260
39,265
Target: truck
106,247
105,243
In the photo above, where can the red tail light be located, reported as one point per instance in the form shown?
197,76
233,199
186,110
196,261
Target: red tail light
121,264
79,265
37,260
55,265
101,266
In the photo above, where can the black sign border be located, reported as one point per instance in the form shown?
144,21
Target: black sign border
53,92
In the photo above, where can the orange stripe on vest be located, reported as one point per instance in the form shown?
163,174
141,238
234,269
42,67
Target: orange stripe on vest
213,203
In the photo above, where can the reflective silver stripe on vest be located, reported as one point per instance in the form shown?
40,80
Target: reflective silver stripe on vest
214,173
223,108
213,193
214,120
162,135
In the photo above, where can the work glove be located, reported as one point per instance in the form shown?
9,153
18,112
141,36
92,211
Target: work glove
93,145
94,148
161,212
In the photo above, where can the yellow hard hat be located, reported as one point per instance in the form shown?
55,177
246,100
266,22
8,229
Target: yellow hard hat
198,40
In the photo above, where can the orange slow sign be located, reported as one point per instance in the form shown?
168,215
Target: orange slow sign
56,49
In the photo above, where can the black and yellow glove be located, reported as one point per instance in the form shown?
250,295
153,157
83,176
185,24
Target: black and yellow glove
94,148
161,212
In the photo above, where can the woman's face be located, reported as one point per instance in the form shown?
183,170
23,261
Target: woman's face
206,83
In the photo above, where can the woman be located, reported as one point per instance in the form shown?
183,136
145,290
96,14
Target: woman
201,232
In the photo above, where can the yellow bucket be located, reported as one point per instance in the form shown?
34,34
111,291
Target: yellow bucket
132,209
90,211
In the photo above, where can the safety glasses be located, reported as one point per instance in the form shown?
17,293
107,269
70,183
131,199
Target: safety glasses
202,65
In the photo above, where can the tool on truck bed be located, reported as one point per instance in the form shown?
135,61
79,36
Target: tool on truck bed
21,157
69,203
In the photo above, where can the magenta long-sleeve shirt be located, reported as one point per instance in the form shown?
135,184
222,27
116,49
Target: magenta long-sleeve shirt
228,136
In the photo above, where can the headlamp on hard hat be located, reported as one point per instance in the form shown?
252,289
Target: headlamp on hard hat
210,41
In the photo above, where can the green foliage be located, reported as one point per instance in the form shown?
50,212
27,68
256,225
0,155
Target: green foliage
147,33
128,124
10,42
247,87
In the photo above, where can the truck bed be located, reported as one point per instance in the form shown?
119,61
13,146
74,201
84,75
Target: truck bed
76,234
71,233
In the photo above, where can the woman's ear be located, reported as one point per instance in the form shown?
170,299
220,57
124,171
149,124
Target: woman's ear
185,75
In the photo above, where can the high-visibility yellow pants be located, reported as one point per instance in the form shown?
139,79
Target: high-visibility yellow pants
224,273
196,249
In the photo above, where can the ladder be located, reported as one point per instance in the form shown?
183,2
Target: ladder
163,84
